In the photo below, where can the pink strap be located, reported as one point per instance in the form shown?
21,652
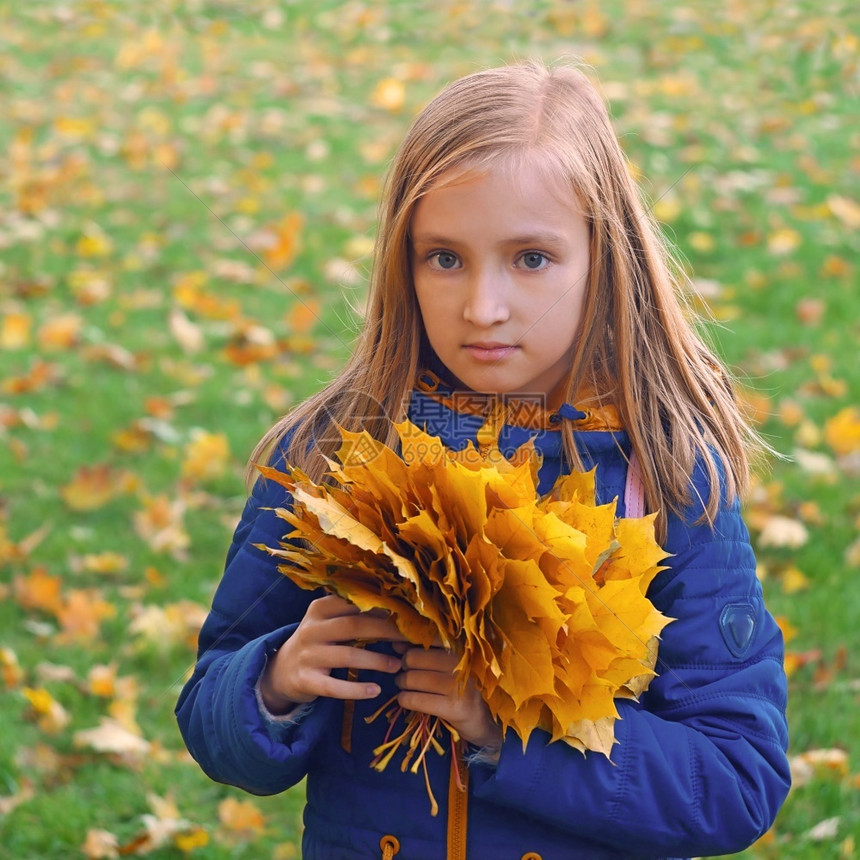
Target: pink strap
634,489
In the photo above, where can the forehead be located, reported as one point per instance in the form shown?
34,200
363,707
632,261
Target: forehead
503,193
514,168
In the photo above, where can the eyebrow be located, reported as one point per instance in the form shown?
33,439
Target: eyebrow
538,238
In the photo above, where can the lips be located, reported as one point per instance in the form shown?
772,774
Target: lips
489,350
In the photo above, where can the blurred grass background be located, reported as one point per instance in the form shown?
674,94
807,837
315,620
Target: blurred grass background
187,204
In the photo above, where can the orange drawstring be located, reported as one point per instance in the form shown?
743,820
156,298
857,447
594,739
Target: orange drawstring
458,802
348,716
390,846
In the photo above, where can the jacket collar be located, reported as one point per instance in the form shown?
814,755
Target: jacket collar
529,414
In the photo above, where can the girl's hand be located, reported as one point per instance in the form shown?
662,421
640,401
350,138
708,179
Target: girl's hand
300,671
428,685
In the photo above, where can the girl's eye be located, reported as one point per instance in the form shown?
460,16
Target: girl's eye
444,260
534,260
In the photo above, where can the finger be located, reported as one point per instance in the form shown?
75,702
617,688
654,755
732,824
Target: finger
332,605
437,683
377,613
425,703
336,688
360,626
434,659
330,657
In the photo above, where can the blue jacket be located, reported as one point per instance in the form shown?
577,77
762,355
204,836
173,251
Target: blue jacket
700,765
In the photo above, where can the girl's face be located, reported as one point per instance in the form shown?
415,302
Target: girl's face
500,264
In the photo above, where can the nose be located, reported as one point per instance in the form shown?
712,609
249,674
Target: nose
487,300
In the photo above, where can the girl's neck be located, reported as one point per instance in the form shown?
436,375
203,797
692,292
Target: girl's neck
550,402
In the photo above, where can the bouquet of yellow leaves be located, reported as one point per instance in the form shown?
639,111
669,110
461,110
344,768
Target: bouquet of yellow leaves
543,599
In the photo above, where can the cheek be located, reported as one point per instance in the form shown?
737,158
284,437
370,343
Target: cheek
437,311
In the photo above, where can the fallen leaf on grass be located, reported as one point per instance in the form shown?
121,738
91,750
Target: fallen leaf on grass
111,354
101,563
783,241
89,286
39,590
818,764
49,715
795,660
160,525
191,840
61,332
41,375
163,826
389,94
187,334
167,626
815,463
842,431
100,845
91,487
810,311
15,330
280,241
302,316
824,830
251,343
779,531
189,291
12,801
10,668
846,210
17,551
240,818
55,673
94,242
110,736
206,456
81,614
101,680
852,553
793,580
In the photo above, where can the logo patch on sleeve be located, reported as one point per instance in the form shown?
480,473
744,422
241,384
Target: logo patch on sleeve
737,624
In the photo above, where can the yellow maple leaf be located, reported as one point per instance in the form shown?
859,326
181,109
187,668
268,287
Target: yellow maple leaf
112,737
206,456
101,680
39,590
48,713
303,316
842,431
94,242
15,330
100,845
81,614
10,668
284,241
168,626
544,600
192,839
160,524
60,333
103,562
389,94
241,818
91,487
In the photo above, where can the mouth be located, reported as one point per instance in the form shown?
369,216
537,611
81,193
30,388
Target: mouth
490,350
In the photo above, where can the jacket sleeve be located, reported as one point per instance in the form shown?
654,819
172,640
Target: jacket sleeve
700,767
254,611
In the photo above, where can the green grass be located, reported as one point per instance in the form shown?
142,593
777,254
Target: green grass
741,119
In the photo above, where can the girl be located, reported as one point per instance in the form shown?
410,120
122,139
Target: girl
515,262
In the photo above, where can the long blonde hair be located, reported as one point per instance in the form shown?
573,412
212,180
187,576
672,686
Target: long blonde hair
637,347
